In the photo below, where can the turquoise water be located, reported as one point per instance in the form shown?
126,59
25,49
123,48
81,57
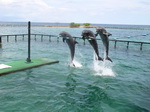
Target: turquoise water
121,86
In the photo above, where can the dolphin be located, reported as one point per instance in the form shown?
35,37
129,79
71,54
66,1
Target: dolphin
71,43
104,36
88,34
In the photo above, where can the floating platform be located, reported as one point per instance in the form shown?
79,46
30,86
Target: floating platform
23,65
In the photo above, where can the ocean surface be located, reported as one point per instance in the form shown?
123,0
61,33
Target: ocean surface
91,86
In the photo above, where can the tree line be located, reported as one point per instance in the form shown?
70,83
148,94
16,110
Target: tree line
72,24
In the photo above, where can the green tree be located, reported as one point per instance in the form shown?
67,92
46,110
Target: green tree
86,24
72,24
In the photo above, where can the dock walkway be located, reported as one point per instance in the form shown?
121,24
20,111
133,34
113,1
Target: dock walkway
55,36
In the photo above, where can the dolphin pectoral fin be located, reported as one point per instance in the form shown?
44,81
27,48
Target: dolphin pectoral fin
107,34
96,34
64,39
109,59
83,37
91,38
76,42
104,33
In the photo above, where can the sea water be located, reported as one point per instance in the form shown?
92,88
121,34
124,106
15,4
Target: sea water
91,86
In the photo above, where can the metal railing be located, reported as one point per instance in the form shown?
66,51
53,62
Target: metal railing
56,36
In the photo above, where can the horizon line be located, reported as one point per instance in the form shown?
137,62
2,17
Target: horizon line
74,22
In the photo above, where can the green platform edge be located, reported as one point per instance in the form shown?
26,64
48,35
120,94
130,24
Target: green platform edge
23,65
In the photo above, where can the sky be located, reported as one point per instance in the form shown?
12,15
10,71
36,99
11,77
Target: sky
135,12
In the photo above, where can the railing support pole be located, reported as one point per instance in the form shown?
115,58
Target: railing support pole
127,45
141,46
0,41
115,44
49,38
35,37
7,38
15,38
57,39
23,37
41,38
29,43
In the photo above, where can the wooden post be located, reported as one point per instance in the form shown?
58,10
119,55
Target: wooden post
50,38
84,42
29,43
0,41
141,46
23,37
7,38
41,38
15,38
127,44
115,44
35,37
58,39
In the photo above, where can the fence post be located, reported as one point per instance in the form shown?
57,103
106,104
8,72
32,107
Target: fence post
23,37
57,39
7,38
127,44
50,38
141,46
29,43
15,38
0,41
84,42
41,38
35,37
115,44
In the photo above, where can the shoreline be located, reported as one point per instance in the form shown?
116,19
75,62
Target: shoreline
69,26
95,27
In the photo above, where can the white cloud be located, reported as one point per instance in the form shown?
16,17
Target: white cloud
6,1
96,11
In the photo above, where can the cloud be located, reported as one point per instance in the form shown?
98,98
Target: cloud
93,11
26,9
6,1
35,10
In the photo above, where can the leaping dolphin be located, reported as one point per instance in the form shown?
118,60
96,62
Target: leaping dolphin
88,34
71,43
104,36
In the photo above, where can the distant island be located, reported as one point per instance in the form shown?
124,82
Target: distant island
73,25
88,25
69,26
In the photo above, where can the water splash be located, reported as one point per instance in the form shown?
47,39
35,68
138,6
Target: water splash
103,68
76,64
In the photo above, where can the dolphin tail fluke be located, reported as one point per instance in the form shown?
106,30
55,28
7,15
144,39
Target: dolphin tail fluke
107,58
100,59
72,64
